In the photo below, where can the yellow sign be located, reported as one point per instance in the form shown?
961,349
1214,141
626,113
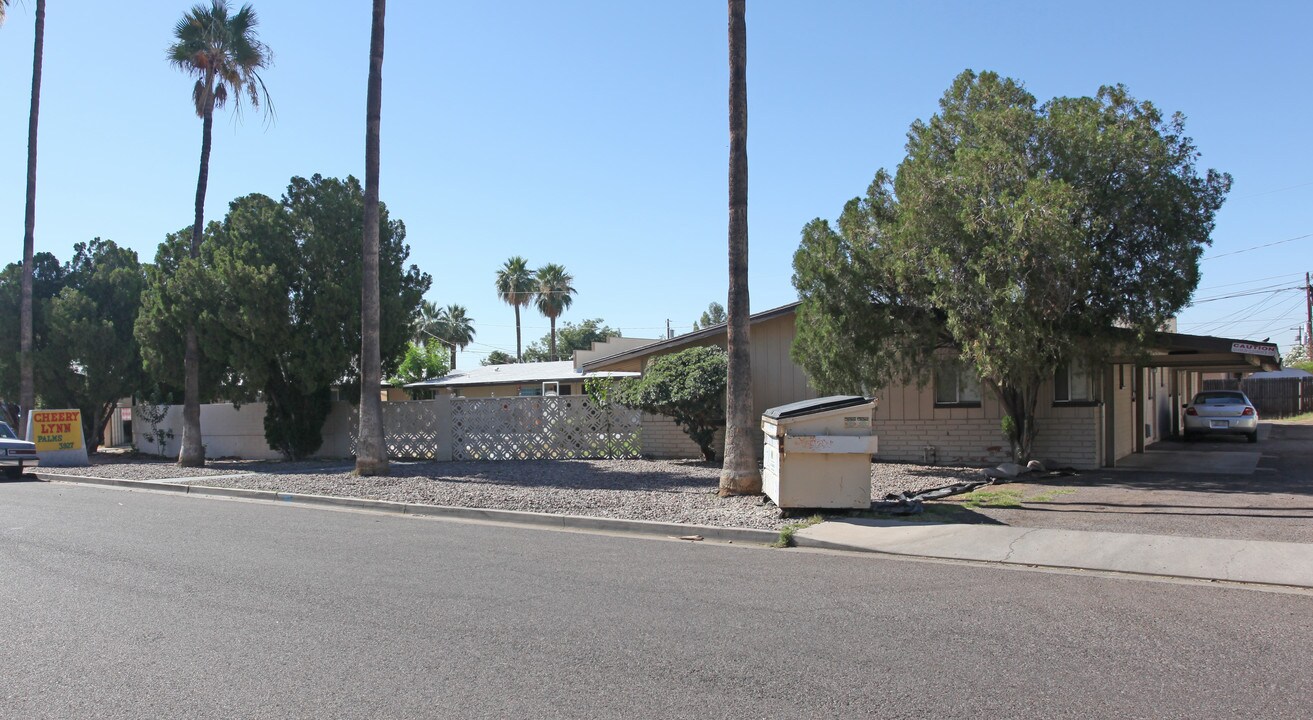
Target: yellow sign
55,430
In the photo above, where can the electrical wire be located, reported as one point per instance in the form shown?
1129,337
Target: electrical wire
1257,247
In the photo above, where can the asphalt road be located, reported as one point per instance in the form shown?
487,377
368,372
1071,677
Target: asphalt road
123,604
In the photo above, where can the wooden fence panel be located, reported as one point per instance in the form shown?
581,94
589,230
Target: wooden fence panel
1273,397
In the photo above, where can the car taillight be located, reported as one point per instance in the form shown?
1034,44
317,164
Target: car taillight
1248,411
1190,411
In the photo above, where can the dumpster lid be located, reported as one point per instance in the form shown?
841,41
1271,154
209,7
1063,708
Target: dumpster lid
811,407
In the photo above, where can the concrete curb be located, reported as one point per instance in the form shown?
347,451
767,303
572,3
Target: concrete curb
510,517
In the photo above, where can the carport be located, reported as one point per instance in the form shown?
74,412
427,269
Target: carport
1143,395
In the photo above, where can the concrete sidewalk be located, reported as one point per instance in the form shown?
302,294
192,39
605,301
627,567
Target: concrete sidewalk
1245,561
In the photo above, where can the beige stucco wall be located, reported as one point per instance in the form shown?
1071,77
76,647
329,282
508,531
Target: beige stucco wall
229,431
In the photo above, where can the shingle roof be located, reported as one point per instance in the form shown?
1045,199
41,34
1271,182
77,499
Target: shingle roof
516,373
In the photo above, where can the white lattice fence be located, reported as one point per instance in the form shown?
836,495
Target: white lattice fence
409,428
542,428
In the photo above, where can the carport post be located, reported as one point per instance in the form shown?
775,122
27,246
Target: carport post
1138,374
1109,416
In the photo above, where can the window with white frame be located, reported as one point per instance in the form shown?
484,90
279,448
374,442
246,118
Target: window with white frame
1073,382
956,383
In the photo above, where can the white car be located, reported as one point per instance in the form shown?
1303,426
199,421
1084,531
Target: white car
1223,412
15,454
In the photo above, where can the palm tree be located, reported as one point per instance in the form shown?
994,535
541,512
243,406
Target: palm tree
428,323
26,376
553,297
457,330
739,474
371,450
516,287
222,52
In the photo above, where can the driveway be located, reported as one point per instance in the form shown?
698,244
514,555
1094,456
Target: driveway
1273,502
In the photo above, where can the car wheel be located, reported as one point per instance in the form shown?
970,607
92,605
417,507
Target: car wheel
1252,437
13,473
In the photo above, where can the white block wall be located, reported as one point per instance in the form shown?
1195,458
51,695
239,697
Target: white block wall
233,432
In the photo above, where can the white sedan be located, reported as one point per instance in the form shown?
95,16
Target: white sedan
1223,412
15,454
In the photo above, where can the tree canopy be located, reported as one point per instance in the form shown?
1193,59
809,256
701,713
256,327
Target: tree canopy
276,295
498,357
421,362
687,386
83,312
569,337
713,315
1019,235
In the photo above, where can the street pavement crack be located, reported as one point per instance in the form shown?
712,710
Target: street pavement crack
1012,546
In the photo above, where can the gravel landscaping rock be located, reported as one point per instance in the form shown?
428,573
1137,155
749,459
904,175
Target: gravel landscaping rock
678,491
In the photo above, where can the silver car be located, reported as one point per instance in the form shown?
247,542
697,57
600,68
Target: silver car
1225,412
15,454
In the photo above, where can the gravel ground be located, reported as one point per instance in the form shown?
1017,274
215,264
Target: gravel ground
679,491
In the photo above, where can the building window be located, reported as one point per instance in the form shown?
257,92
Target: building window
1073,382
956,384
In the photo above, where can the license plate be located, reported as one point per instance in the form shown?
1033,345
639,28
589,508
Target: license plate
1218,424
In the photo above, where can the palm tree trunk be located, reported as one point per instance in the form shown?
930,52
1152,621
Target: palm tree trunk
452,348
553,340
518,357
192,451
740,475
371,450
27,365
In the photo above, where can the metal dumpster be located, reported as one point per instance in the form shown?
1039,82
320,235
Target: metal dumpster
817,453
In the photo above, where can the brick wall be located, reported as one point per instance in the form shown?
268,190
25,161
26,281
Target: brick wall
1070,440
663,439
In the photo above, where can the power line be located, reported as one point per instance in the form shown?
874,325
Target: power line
1247,282
1258,247
1245,294
1269,192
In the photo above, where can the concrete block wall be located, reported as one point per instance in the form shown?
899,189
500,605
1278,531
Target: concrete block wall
229,431
663,439
1070,440
1073,440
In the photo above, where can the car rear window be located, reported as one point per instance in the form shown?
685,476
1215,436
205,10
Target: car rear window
1219,398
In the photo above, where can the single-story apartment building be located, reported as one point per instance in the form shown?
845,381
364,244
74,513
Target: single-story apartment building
1087,418
516,380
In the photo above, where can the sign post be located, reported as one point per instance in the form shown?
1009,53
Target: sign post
58,437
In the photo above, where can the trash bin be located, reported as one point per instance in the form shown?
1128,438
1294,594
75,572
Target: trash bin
817,453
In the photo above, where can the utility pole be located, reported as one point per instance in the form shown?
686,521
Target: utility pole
1308,316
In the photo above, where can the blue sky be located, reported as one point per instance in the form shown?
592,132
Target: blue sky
594,134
